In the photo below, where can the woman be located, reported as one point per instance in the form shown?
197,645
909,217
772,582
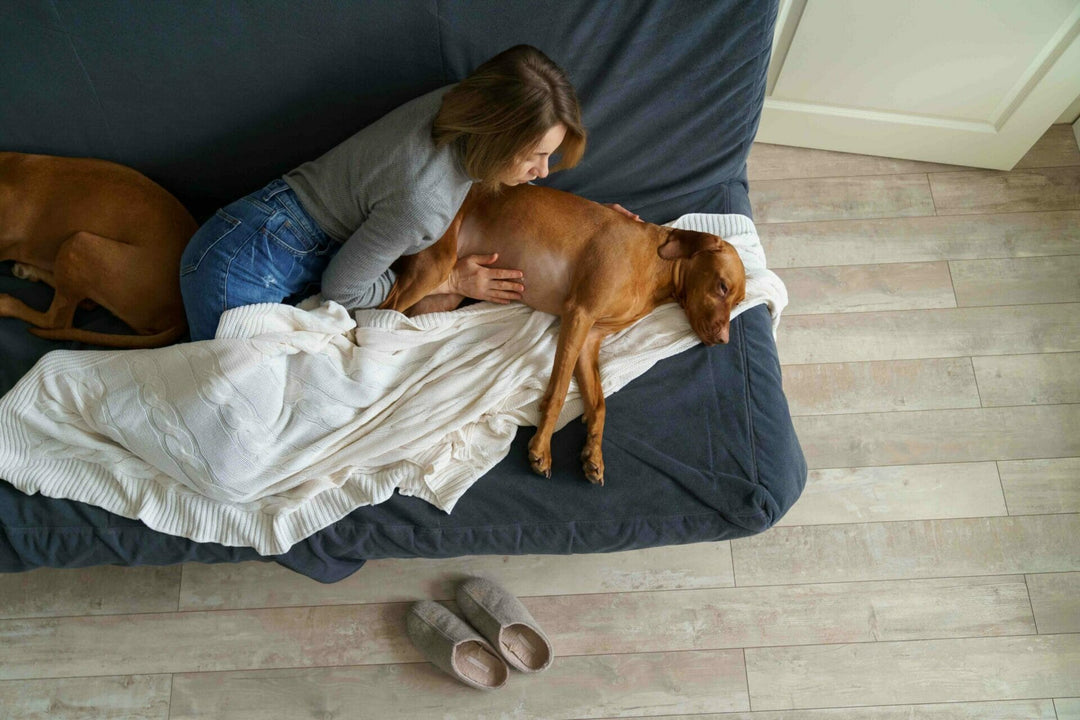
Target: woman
391,189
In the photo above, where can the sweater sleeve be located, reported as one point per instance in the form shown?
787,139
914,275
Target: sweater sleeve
359,275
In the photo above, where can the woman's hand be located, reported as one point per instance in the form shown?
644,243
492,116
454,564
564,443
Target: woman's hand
471,277
624,211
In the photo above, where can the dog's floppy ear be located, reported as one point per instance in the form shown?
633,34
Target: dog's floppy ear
687,243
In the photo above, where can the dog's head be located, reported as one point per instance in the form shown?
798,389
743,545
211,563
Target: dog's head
709,281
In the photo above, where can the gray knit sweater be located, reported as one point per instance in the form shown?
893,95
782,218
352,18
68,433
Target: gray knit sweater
385,192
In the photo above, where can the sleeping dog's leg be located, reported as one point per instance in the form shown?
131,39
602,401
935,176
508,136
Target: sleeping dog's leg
572,335
587,373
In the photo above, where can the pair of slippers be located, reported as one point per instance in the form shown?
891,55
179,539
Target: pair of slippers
458,649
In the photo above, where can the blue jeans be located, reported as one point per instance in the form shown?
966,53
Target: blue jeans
261,248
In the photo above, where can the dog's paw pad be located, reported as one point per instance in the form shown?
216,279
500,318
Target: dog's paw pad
540,465
594,474
592,463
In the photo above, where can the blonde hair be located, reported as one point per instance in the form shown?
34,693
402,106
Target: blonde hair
500,112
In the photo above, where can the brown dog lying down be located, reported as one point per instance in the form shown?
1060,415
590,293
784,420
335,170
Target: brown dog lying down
95,231
595,268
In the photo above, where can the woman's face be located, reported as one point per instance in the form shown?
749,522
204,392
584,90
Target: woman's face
535,165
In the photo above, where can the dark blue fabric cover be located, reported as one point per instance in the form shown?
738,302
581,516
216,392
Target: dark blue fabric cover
215,99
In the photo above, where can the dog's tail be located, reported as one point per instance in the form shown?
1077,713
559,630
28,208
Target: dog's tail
165,337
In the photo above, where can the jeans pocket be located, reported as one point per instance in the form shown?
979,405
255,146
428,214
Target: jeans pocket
291,237
212,232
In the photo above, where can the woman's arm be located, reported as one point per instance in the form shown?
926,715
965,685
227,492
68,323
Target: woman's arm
359,275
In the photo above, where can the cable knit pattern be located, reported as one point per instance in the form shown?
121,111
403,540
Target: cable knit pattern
291,418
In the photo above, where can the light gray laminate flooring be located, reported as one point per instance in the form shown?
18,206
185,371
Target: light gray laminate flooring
931,570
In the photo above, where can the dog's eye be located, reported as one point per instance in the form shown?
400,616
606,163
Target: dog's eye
721,287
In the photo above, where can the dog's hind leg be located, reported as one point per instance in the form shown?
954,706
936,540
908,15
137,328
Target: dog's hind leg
59,314
75,267
62,309
587,373
36,274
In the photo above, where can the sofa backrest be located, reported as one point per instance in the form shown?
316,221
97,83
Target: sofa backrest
214,99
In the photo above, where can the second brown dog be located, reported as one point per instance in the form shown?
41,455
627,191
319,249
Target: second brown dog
95,231
597,269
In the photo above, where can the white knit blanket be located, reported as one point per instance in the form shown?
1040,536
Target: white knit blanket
289,419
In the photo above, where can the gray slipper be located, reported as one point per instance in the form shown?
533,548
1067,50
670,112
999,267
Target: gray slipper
504,621
454,647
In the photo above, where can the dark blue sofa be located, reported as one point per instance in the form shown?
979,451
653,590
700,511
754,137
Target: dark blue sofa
212,100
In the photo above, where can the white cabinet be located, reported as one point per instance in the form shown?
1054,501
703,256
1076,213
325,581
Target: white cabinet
968,82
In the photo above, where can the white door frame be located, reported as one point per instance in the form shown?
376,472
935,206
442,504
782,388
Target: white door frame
1048,87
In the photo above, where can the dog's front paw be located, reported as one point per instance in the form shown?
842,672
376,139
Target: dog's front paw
592,462
540,464
540,457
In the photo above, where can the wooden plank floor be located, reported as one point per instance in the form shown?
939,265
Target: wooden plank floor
931,570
